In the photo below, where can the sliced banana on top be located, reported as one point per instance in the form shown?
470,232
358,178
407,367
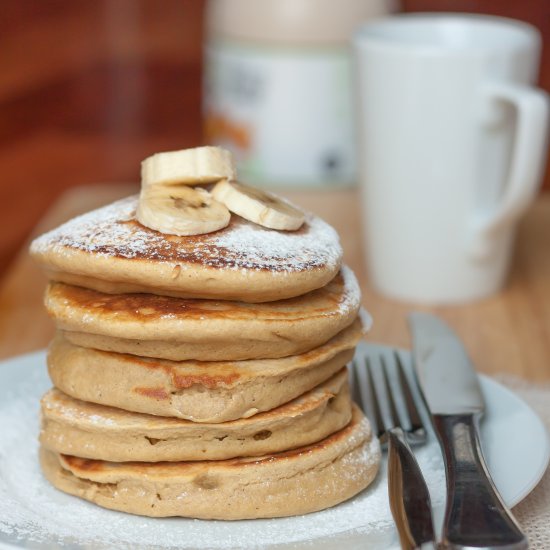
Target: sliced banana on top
181,210
258,206
198,166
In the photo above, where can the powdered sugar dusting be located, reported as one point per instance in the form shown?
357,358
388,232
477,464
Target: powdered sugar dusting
114,231
32,510
351,297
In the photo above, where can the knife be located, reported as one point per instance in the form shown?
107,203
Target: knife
475,514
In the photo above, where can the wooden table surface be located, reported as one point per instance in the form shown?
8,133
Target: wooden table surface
506,333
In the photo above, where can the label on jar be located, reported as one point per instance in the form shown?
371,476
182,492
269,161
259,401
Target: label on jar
284,112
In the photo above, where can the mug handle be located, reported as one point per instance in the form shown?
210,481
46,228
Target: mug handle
526,164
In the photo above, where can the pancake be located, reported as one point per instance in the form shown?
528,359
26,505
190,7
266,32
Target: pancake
88,430
295,482
216,391
109,251
206,330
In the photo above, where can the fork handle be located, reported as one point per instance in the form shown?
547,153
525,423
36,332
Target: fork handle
408,495
475,515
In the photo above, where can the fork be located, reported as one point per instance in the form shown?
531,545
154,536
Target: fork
394,416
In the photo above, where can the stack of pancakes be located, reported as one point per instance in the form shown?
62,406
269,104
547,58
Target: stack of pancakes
202,376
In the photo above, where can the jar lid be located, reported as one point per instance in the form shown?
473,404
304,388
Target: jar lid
297,22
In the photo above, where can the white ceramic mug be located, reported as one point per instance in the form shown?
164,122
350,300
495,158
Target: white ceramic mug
452,147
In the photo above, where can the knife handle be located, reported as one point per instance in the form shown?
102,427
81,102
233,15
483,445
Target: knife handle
475,515
408,495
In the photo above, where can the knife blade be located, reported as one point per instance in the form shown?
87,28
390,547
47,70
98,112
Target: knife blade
475,514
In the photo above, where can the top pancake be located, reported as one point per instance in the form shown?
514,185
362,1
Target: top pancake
109,251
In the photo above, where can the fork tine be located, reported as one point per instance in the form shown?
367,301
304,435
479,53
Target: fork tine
416,423
364,387
375,414
383,393
362,393
390,394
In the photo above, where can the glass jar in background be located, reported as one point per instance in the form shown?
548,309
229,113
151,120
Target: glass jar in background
277,88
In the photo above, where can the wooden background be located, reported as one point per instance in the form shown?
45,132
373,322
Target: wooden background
88,88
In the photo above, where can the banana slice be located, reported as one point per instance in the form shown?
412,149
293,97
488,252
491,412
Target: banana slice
258,206
198,166
181,210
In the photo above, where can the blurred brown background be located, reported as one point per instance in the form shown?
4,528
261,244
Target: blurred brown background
88,88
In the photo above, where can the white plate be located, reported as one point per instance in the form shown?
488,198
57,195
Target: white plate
34,515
